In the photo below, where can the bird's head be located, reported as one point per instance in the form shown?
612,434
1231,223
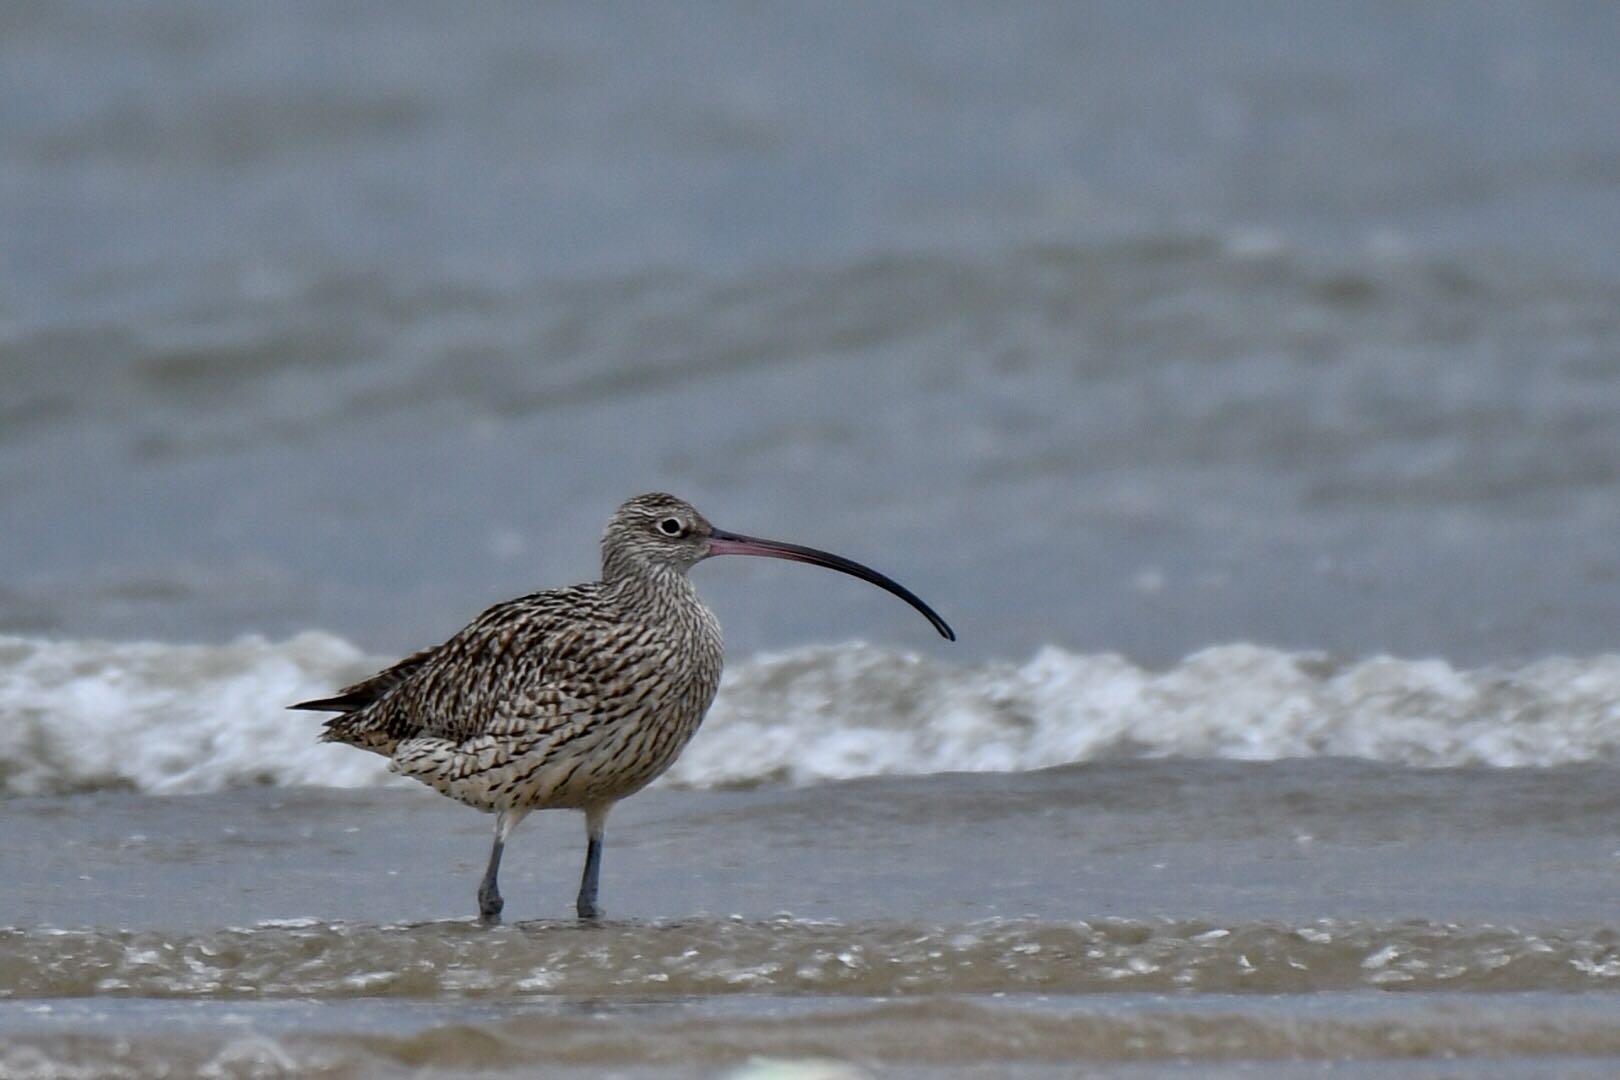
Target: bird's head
654,531
657,532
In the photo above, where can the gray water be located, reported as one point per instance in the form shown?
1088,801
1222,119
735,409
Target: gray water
1279,335
1117,328
1129,913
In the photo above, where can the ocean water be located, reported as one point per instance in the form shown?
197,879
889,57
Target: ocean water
1241,380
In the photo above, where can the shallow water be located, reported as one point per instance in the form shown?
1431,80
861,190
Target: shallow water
1127,912
1127,1035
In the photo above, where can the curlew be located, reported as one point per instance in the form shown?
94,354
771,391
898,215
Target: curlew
570,698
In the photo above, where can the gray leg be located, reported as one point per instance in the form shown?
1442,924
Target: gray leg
489,890
595,823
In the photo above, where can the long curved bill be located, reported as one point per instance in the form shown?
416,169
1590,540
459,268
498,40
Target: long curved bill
726,543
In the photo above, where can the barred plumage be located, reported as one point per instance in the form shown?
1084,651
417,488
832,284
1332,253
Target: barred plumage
571,698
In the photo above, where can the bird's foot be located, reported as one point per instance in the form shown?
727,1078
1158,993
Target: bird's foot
489,909
588,910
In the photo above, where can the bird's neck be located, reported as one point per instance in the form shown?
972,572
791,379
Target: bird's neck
657,593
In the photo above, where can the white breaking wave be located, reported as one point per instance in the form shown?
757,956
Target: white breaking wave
829,713
83,715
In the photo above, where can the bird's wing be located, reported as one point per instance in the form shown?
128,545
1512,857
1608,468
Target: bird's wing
539,661
370,689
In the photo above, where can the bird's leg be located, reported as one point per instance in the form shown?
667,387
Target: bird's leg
489,890
489,893
595,824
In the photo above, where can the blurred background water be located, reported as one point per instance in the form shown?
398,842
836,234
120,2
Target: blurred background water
1100,325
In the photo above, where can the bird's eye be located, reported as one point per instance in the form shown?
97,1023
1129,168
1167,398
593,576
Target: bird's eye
670,527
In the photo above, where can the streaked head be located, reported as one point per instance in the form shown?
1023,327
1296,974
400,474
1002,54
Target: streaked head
654,530
658,531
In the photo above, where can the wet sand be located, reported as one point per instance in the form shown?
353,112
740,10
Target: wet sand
1138,915
1327,838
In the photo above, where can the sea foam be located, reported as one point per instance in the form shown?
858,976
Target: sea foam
85,715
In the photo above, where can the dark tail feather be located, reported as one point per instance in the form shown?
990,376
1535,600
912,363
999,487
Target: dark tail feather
369,691
343,703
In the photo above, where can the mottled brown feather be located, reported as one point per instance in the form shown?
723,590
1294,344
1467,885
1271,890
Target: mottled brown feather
571,697
368,690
